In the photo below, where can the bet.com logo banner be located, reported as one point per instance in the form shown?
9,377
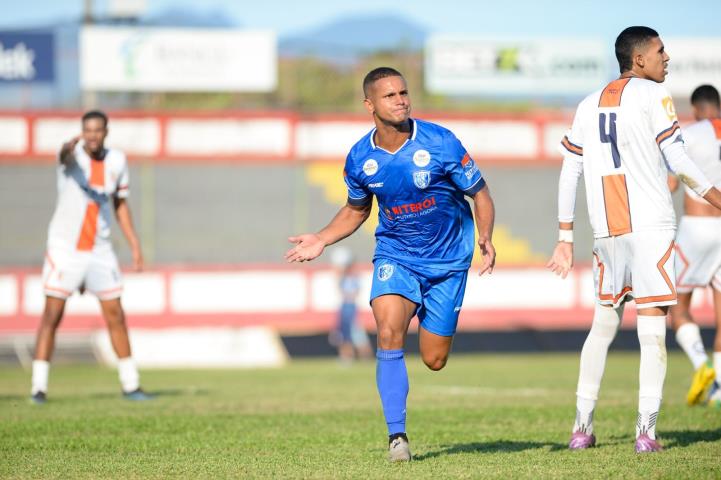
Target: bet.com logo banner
472,65
26,57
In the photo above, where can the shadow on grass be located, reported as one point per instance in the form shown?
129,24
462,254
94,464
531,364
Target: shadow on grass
168,392
488,447
684,438
11,398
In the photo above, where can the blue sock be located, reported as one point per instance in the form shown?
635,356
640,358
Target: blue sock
392,382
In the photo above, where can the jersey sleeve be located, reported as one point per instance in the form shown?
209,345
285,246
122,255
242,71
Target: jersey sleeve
358,195
460,167
122,189
572,143
663,117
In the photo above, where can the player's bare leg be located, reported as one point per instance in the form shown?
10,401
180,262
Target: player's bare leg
651,328
118,330
606,321
393,314
434,349
714,399
688,336
52,315
44,346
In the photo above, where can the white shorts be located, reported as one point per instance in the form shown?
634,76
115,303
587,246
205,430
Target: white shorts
638,265
64,271
698,253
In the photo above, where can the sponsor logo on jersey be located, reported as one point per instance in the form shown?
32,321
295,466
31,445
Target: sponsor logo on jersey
385,272
421,158
414,209
669,108
422,179
370,167
375,185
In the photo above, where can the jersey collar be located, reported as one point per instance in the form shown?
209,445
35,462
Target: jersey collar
410,138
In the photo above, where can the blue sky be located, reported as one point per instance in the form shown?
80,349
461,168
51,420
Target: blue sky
600,18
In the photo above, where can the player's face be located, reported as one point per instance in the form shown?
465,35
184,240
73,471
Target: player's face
388,100
94,133
655,58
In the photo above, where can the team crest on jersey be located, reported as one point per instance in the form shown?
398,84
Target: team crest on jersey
422,178
370,167
669,108
385,272
421,158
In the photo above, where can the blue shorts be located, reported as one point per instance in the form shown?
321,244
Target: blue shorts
437,293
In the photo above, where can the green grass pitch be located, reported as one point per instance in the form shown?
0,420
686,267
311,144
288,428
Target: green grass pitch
483,416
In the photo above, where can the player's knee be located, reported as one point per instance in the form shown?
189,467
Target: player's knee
389,339
51,317
114,315
435,362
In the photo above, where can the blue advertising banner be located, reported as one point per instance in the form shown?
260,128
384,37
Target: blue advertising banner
26,57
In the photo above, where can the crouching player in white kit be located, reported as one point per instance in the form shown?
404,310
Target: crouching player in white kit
621,139
698,247
91,180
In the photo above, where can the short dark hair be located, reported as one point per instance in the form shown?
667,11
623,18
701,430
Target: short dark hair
706,94
628,41
377,74
95,114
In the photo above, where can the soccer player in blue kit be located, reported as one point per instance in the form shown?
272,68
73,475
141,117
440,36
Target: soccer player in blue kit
420,175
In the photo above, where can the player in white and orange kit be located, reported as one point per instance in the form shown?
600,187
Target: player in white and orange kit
698,247
92,184
621,140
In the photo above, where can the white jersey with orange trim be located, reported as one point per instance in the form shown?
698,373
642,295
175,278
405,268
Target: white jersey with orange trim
86,188
703,144
618,133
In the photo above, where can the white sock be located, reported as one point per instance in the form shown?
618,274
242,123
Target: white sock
688,336
128,374
717,366
652,372
41,371
593,362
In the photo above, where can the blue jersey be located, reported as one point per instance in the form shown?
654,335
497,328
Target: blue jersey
424,220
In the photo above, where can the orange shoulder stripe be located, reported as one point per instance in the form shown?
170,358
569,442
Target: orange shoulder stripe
716,123
611,95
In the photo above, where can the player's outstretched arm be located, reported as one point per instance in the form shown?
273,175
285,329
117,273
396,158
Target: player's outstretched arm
125,222
66,151
713,196
561,261
485,214
309,246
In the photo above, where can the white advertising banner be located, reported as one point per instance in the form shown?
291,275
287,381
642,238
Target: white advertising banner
694,62
177,59
473,65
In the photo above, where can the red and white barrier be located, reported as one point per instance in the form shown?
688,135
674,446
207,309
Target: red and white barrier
279,136
306,299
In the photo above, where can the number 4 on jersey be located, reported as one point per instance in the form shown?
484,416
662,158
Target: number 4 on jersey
609,137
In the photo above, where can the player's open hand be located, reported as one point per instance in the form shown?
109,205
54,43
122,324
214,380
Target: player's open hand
488,253
307,247
561,261
69,146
